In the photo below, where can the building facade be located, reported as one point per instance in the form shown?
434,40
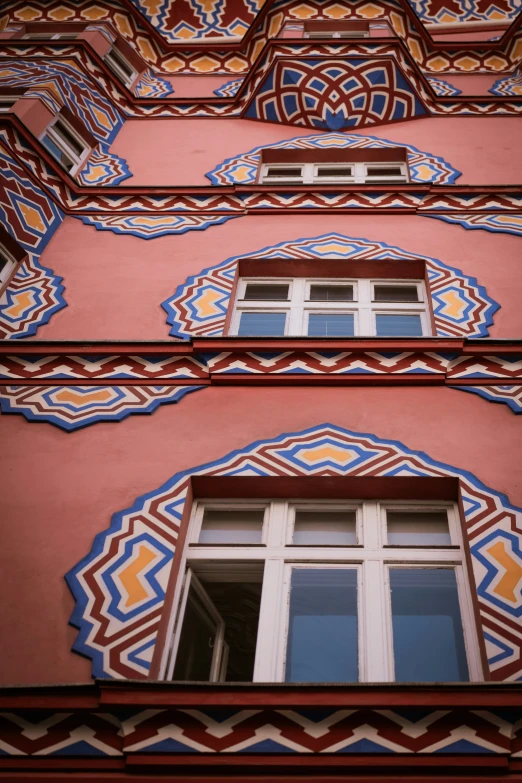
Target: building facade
249,254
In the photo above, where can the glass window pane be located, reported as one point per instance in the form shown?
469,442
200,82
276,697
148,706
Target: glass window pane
381,171
428,640
322,627
331,293
294,171
266,291
325,528
334,171
262,324
330,325
398,325
57,153
395,293
196,643
429,528
72,142
224,526
3,261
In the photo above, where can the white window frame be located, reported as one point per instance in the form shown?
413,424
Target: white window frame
7,270
62,143
298,306
309,173
43,36
371,557
337,34
112,62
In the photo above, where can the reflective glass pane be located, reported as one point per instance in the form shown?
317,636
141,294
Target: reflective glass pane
334,171
398,325
325,528
294,171
382,171
72,142
330,325
426,528
322,627
266,291
238,526
57,153
395,293
331,293
262,324
428,641
196,643
3,262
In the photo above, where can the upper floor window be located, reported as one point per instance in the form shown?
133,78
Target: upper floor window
51,36
8,101
290,591
275,307
329,29
7,265
120,66
65,144
358,172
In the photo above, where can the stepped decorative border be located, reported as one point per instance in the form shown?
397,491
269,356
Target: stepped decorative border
507,395
501,224
199,306
118,616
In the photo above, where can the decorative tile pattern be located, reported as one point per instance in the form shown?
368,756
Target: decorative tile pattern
508,395
195,19
153,226
73,407
104,168
24,367
445,89
335,94
199,306
509,85
151,85
503,224
424,167
120,586
35,293
73,87
259,731
230,89
447,11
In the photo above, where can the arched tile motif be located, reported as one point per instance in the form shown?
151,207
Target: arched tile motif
503,224
424,167
74,407
152,226
335,94
35,293
441,87
104,168
509,85
507,395
118,618
461,306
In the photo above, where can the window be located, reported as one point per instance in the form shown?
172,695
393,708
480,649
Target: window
51,36
341,29
323,591
7,264
65,145
327,173
8,101
120,66
330,308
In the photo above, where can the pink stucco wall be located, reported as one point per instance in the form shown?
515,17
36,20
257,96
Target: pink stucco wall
472,84
484,149
59,490
115,284
197,86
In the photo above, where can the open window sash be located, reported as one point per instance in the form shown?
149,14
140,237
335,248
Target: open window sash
199,651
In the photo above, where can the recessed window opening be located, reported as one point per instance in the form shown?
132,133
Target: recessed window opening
7,264
8,101
51,36
65,145
359,172
323,591
330,308
120,66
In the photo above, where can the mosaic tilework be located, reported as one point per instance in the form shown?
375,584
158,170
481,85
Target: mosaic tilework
74,407
503,224
335,94
35,293
507,395
73,87
424,167
265,730
199,306
151,85
195,19
440,87
229,89
102,367
448,11
120,586
153,226
104,168
509,85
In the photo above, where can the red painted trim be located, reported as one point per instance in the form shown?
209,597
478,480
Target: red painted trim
338,267
349,379
355,345
336,155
